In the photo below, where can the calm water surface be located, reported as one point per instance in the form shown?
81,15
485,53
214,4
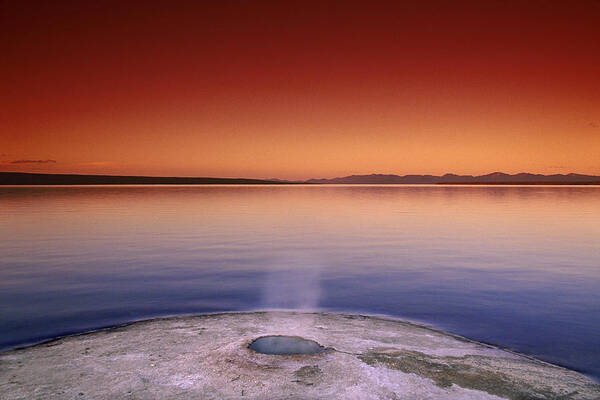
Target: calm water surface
515,266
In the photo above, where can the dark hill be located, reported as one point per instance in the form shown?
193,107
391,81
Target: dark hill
19,178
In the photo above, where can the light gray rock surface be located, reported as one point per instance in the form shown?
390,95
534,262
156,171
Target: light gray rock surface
206,357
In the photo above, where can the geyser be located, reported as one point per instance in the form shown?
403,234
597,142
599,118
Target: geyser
281,345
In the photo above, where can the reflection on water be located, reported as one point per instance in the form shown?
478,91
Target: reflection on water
280,345
514,266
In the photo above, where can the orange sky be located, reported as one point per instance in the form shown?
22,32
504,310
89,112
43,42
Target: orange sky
300,89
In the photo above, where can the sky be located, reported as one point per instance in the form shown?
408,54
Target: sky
300,89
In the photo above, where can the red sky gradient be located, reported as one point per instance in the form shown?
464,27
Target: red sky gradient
300,89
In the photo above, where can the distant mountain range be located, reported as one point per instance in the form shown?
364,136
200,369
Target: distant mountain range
495,178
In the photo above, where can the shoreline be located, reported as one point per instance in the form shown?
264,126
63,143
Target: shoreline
420,357
382,317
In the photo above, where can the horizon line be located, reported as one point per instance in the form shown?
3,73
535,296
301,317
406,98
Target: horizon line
496,177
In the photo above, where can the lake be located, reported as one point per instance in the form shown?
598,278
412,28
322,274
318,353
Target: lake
515,266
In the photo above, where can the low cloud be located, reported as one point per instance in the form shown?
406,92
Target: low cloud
33,162
594,124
